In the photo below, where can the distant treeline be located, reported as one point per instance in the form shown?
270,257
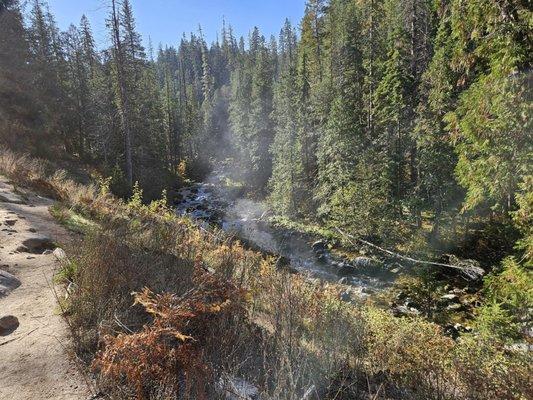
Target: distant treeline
369,114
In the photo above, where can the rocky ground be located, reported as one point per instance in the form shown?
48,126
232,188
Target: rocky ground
35,356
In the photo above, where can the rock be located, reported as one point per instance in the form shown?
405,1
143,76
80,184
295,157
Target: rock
36,245
470,290
8,283
8,325
519,347
10,198
367,290
59,254
455,330
402,311
320,246
346,296
450,298
461,328
401,296
346,269
455,307
237,389
451,331
10,222
394,268
410,303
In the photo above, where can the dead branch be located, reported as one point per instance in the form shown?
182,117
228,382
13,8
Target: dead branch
469,269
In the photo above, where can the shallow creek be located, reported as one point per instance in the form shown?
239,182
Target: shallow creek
211,202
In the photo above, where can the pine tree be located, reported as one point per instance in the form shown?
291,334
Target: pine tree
491,124
392,107
342,142
287,182
20,110
437,189
47,66
250,111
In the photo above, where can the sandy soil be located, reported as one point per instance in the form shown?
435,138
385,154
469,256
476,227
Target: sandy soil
35,357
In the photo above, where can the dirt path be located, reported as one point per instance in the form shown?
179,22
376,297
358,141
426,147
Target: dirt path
34,346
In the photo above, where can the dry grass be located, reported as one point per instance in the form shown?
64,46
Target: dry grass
215,309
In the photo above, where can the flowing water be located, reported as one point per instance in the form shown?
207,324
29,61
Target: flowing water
212,202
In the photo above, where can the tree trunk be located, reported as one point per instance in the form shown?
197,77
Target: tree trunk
123,97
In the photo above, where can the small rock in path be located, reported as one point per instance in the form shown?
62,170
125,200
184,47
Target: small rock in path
8,283
8,325
36,245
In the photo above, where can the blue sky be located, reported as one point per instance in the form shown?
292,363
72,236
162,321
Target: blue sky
165,20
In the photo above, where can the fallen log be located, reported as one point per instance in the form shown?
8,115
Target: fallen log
469,267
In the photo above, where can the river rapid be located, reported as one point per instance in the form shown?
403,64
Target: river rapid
214,203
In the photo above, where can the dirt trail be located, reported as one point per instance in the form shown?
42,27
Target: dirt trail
35,345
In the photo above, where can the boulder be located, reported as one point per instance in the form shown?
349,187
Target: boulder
8,283
59,254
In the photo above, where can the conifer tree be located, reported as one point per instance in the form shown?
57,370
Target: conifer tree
287,182
20,109
392,106
492,124
436,189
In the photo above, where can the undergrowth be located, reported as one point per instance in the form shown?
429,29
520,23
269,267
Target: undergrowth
162,309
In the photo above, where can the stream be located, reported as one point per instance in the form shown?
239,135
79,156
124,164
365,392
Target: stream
214,203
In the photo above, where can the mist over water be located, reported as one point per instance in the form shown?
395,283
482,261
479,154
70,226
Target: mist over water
212,202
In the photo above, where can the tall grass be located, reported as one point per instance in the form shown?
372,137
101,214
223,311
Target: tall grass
163,309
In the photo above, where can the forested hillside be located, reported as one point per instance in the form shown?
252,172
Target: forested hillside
368,115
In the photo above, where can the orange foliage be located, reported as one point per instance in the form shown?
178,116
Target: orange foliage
168,353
